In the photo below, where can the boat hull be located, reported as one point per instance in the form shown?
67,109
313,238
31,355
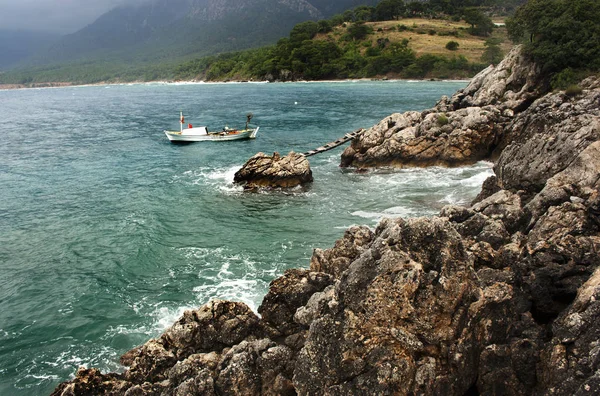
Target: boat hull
176,137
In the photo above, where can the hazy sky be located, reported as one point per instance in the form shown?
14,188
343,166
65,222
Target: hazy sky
61,16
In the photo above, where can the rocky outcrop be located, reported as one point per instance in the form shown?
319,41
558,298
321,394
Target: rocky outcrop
274,171
548,137
497,298
463,129
393,320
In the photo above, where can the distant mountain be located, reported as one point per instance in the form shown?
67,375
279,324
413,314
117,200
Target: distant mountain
163,30
16,46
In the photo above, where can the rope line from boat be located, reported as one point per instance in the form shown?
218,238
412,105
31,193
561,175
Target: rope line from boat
329,146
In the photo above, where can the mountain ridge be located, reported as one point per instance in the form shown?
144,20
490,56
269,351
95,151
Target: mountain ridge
164,29
16,45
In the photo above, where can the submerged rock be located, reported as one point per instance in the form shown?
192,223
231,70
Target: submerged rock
274,171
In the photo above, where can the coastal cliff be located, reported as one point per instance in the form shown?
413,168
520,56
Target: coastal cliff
497,298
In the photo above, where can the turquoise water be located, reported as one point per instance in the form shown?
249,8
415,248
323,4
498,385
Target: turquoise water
108,232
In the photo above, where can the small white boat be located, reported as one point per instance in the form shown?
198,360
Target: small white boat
200,134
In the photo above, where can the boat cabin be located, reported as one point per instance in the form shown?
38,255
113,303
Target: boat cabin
195,131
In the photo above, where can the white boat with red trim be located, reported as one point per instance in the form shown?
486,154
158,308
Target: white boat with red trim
201,134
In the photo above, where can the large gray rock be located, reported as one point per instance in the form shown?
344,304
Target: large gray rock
545,139
510,85
460,130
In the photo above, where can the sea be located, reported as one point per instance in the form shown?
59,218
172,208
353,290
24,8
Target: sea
108,232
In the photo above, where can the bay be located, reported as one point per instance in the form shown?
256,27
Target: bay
108,232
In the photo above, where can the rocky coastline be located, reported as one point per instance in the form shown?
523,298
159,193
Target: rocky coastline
501,297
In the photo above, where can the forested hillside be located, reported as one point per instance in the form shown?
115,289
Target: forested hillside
166,41
393,39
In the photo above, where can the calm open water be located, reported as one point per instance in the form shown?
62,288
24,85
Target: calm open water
108,232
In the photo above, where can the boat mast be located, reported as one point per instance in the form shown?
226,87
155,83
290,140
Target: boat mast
248,118
181,121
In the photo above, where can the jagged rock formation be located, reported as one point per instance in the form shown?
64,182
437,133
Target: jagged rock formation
501,297
274,171
460,130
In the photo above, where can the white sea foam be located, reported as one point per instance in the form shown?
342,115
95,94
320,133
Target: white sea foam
405,182
476,180
200,253
400,211
220,178
452,199
367,215
45,377
161,319
224,271
229,275
137,306
231,189
68,359
243,290
165,317
127,330
345,227
205,175
393,212
103,357
223,173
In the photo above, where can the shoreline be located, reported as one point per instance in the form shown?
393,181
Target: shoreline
10,87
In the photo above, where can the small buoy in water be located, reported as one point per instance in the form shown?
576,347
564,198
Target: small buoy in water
295,102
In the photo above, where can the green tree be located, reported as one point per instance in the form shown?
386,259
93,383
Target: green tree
324,26
388,10
363,13
401,55
481,24
559,33
493,53
415,8
452,45
358,31
336,20
348,16
312,59
427,62
304,31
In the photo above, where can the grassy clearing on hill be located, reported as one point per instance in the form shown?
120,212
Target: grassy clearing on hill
428,36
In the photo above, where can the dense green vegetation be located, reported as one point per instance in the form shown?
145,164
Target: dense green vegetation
562,36
309,53
344,46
